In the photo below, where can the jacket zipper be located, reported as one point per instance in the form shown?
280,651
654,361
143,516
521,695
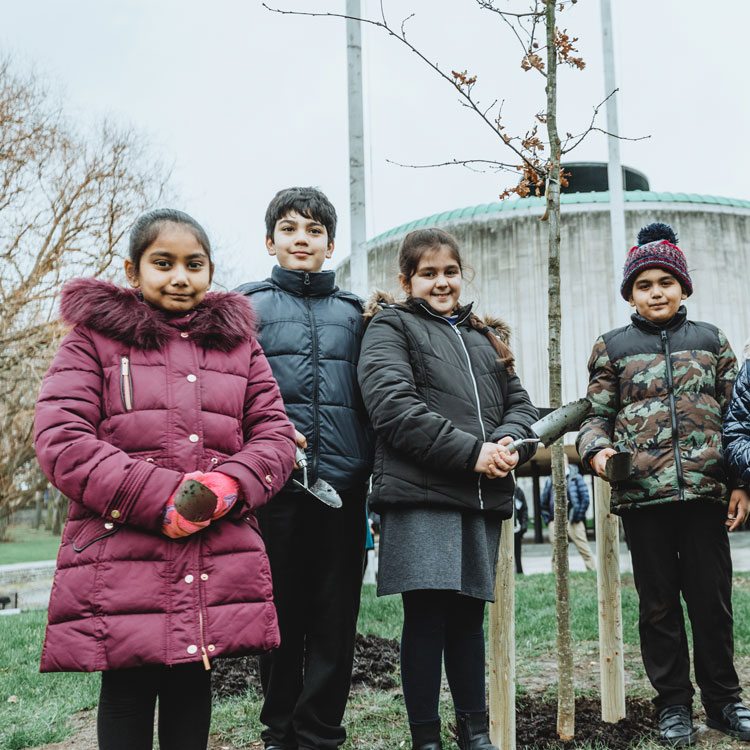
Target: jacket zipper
454,326
126,384
479,406
673,414
316,425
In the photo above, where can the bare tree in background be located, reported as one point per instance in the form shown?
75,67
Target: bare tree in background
67,199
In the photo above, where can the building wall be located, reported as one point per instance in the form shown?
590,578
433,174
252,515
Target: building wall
507,252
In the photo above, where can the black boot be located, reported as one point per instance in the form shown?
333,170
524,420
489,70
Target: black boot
426,736
472,731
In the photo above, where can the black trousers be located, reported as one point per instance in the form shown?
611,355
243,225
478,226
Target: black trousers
125,720
441,624
517,548
317,556
684,549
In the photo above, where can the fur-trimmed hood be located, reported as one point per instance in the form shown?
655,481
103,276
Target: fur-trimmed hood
222,321
378,300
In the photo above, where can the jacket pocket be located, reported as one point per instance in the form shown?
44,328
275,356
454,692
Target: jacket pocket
126,384
92,531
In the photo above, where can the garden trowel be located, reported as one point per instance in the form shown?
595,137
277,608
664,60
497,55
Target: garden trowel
555,424
194,501
321,489
619,466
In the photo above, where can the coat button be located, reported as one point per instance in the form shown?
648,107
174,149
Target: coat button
269,479
192,648
214,460
211,647
191,378
184,335
109,525
188,579
114,513
204,576
149,460
193,438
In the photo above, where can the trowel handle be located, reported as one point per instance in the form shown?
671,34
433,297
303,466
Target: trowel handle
516,444
300,458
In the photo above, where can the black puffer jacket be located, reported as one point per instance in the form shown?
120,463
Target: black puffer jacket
736,433
311,334
435,392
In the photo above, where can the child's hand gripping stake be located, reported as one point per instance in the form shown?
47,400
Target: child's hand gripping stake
321,490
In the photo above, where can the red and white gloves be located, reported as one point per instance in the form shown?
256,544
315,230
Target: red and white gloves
225,488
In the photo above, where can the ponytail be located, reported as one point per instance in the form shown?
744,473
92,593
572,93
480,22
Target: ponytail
498,344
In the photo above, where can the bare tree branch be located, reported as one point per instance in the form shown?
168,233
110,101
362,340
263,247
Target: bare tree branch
66,200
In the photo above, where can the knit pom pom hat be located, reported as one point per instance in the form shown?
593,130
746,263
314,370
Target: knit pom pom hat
656,248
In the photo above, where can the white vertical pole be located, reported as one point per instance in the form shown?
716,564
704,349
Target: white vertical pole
503,646
614,165
358,258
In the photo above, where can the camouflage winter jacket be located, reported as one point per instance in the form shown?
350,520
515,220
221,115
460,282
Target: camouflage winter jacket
660,392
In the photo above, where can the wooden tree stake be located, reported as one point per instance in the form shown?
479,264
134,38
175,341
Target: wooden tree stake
502,646
611,662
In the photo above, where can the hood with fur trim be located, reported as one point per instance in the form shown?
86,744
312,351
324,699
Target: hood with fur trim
222,321
378,300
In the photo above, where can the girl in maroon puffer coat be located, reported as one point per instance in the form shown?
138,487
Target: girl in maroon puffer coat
155,384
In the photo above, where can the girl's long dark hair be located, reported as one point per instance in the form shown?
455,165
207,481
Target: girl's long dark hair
421,241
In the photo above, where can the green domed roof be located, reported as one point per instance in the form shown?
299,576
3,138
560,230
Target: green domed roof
483,209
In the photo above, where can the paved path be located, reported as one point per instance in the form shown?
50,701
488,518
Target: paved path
32,581
536,558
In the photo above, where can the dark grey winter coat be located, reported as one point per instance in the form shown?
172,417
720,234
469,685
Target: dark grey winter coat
435,392
311,333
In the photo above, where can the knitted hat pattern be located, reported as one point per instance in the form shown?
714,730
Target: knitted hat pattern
656,248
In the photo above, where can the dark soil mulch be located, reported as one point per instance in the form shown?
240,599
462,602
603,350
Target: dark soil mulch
375,661
536,723
234,676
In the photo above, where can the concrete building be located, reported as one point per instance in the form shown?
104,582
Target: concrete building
504,246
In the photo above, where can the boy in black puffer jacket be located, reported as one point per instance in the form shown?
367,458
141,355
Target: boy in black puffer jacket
659,388
311,333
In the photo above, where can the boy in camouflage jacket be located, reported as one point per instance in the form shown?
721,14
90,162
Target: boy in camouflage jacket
659,388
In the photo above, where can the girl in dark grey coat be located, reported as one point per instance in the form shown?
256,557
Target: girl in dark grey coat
440,389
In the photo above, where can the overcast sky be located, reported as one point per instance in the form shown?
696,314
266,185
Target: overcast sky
243,102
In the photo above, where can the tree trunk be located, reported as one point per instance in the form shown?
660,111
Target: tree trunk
61,513
40,498
565,694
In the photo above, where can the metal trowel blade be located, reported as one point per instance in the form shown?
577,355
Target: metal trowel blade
194,501
619,466
322,491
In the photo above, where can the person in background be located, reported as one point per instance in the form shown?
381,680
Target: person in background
520,524
578,503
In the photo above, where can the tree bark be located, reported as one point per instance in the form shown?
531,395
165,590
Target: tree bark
565,690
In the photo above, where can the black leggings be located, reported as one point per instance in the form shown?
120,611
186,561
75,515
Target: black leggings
437,623
128,698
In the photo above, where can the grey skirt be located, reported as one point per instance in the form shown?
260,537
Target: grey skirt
438,548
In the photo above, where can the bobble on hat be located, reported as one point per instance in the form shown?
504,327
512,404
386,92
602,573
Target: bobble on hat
656,248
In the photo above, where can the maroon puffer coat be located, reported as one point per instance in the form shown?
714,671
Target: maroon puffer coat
134,399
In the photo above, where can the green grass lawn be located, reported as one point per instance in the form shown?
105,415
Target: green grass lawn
28,545
37,708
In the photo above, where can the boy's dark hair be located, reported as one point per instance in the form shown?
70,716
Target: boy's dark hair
146,229
306,201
